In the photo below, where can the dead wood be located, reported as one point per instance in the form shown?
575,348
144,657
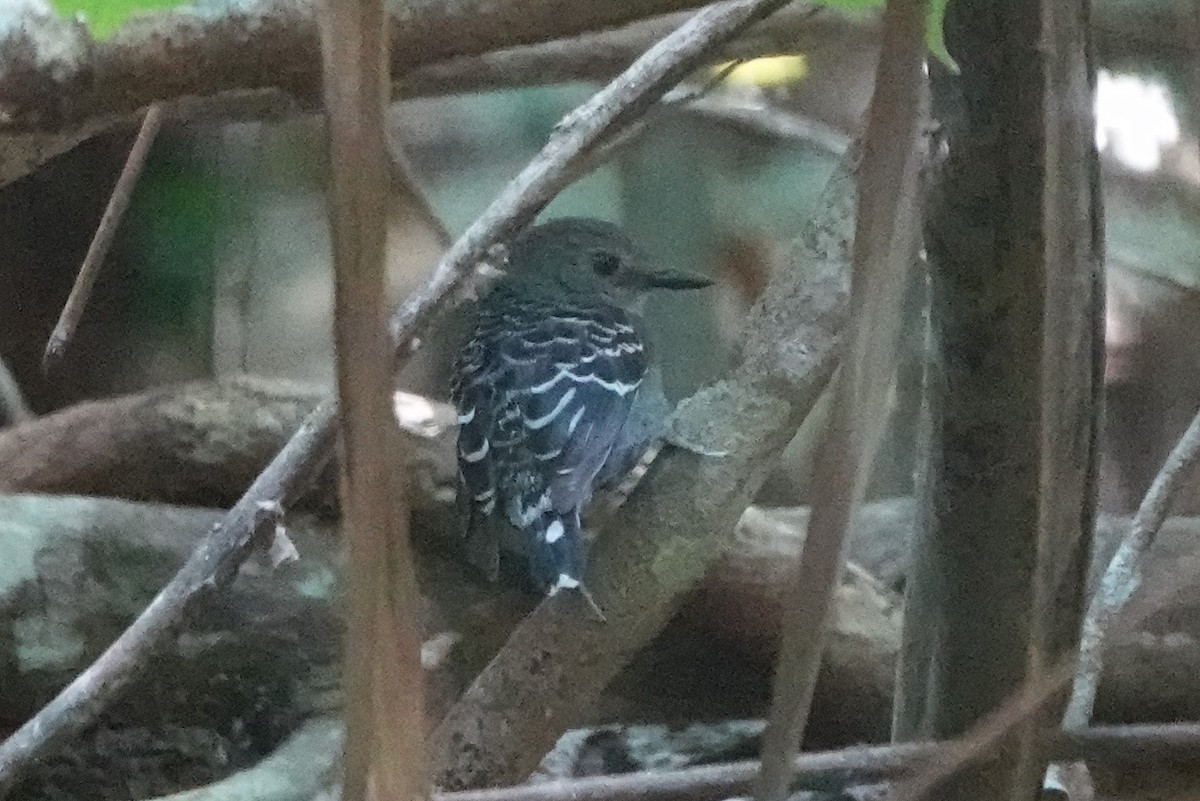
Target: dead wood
198,444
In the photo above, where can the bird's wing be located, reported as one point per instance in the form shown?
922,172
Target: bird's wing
543,391
475,391
602,380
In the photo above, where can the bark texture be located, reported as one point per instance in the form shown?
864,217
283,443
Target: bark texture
1013,376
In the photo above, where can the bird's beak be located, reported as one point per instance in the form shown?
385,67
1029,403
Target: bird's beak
672,279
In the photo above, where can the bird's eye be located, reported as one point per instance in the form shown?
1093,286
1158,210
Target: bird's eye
605,263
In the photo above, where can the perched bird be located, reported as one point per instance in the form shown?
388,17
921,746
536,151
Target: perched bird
555,391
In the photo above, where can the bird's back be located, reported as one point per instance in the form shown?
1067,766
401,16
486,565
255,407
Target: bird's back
543,388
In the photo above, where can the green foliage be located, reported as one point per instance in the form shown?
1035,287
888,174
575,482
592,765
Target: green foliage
103,17
933,30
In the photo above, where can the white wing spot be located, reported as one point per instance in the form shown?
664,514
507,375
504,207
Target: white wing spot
575,420
554,532
548,417
475,456
463,419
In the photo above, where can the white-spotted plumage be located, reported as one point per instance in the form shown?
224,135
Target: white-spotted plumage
544,390
538,423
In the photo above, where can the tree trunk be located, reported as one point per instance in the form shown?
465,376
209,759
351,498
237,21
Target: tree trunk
1012,396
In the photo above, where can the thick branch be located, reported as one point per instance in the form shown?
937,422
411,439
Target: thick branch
203,74
662,541
1013,378
198,444
53,75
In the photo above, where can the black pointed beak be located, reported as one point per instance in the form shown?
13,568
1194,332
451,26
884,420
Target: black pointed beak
673,279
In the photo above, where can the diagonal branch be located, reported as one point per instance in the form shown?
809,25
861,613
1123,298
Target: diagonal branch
118,202
214,562
887,237
662,541
1125,572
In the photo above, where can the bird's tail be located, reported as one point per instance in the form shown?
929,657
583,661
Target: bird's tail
557,555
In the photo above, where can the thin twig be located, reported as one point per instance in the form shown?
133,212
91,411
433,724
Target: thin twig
384,682
887,236
13,408
1124,573
834,770
416,199
215,561
118,202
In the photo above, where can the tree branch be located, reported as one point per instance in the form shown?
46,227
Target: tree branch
259,61
53,75
118,202
200,444
662,541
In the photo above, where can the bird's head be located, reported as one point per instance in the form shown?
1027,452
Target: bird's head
590,256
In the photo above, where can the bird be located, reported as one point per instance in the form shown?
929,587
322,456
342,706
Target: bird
556,391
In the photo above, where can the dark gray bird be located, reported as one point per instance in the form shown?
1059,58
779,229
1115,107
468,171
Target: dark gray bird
555,390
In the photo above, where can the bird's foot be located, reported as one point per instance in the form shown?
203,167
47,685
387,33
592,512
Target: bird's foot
565,582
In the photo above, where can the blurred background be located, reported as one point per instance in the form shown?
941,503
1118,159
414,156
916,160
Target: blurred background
222,267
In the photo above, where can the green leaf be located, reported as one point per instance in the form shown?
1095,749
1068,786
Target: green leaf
934,37
103,17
